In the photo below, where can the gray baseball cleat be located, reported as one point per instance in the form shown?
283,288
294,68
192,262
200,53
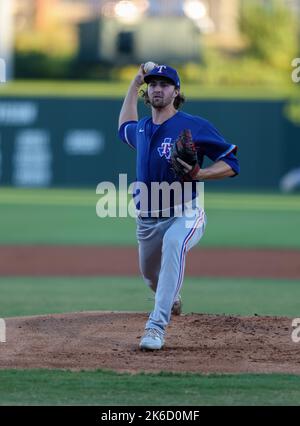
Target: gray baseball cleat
177,307
152,340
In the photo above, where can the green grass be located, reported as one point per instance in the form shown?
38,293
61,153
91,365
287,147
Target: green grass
37,296
69,217
117,89
40,387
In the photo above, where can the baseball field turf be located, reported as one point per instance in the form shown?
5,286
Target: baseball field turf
68,217
116,89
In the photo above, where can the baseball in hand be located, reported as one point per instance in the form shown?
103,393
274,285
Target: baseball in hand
149,66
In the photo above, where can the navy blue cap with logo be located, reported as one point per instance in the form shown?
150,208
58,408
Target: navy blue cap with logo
163,71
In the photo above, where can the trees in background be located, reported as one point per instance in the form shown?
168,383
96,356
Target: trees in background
269,31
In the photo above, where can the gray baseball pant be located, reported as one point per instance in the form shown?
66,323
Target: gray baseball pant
163,245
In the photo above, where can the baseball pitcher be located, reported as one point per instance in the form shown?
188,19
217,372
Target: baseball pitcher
170,147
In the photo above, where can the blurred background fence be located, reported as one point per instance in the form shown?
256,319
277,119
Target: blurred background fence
74,142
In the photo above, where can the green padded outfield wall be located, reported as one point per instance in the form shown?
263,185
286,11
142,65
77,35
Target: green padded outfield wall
73,142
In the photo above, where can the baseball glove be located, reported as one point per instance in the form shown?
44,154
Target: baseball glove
185,149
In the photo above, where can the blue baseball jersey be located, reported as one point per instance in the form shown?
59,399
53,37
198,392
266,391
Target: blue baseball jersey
153,145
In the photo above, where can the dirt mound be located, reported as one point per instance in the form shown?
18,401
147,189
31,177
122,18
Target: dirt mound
109,340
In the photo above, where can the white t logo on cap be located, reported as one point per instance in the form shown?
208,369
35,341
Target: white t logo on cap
160,68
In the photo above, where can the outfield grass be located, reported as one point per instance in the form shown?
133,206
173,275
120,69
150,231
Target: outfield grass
41,387
37,296
117,89
69,217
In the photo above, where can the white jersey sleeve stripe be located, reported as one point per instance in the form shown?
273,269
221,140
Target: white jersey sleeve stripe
228,151
126,137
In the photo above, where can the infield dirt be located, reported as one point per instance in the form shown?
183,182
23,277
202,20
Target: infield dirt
123,261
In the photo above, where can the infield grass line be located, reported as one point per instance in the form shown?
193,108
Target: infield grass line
25,296
218,201
65,217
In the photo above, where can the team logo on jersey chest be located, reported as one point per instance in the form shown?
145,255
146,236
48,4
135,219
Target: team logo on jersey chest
164,149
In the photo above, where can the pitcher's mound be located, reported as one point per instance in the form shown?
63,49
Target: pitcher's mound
109,340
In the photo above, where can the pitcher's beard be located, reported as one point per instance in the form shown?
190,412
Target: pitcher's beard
157,103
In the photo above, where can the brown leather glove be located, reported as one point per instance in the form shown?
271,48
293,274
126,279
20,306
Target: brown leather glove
185,149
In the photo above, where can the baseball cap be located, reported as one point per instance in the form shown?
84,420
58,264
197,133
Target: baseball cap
163,71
